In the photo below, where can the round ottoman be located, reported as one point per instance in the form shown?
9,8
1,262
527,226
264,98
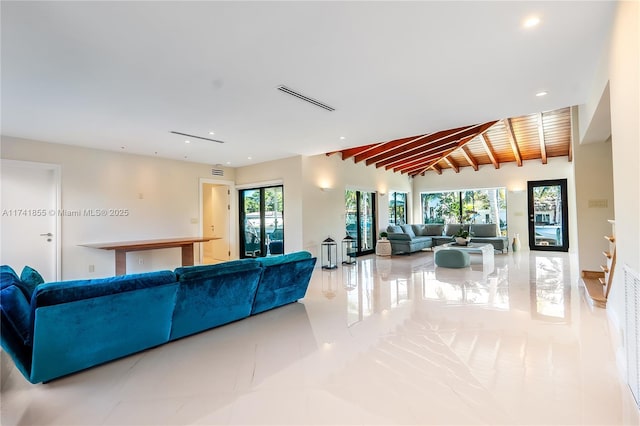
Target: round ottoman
452,258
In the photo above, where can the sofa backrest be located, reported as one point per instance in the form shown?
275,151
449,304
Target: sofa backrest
83,323
284,280
451,229
429,229
484,230
213,295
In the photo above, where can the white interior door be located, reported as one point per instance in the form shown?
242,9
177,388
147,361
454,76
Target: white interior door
29,208
216,205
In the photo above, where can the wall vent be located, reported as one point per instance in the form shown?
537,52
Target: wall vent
217,172
632,339
298,95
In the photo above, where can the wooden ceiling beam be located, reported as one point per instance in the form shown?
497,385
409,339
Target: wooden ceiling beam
433,140
543,146
451,162
513,141
469,157
350,152
482,130
413,155
437,169
415,165
486,144
384,147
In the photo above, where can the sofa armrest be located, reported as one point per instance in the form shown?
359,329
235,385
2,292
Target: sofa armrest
398,237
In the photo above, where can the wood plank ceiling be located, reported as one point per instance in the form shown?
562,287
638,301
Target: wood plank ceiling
531,137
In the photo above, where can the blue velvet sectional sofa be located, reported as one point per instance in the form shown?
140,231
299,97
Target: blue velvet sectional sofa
412,238
54,329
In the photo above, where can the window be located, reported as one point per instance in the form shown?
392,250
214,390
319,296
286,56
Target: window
398,208
466,206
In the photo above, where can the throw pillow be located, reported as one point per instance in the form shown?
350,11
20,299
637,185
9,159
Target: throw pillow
8,276
16,312
30,280
394,229
408,230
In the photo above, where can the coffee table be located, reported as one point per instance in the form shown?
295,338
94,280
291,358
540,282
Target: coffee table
485,249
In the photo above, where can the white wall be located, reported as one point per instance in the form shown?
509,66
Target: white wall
324,213
161,195
512,177
624,83
593,168
312,214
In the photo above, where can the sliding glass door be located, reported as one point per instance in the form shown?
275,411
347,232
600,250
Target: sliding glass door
261,221
360,212
548,215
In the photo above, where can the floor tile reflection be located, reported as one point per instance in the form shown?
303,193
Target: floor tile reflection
389,340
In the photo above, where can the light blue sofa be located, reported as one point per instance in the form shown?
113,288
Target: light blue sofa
411,238
54,329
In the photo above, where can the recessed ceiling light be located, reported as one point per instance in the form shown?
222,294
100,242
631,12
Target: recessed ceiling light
342,138
543,93
187,141
228,162
531,22
212,133
249,158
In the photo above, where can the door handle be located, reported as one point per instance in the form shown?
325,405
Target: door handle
48,234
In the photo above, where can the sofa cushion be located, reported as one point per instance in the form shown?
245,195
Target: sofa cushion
395,229
16,312
419,230
279,260
483,230
8,277
400,236
407,229
196,272
452,228
433,229
30,279
68,291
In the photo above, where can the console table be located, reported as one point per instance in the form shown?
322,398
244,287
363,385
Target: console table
121,249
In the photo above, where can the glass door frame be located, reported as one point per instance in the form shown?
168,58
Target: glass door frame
359,225
562,183
263,236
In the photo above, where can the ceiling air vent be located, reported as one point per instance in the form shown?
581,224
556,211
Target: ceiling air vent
194,136
291,92
217,172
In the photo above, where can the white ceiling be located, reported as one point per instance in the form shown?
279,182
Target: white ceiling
118,74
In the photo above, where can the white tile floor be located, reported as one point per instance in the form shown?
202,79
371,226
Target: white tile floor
389,341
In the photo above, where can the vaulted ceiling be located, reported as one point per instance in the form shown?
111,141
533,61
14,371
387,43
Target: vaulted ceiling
531,137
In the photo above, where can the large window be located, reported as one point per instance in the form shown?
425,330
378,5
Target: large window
397,208
466,206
